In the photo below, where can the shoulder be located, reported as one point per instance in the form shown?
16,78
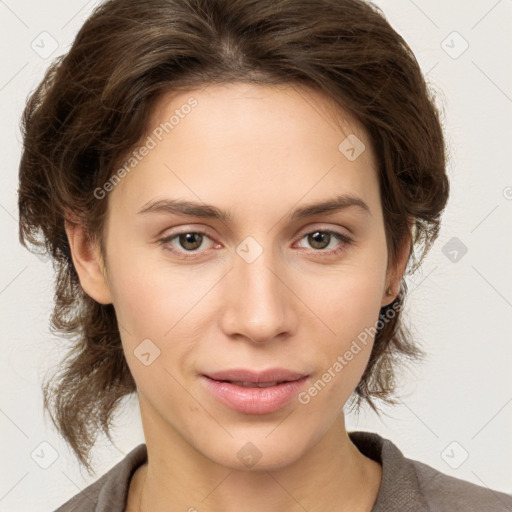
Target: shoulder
446,492
109,493
409,485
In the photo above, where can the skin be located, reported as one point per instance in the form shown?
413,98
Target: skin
258,152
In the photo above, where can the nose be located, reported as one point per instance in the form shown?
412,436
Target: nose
259,305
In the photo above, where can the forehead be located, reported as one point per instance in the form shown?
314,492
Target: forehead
257,143
288,103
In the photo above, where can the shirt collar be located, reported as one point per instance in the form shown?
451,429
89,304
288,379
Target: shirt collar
399,488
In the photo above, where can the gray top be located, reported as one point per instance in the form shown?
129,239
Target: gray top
407,485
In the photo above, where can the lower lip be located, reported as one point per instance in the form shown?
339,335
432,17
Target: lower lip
254,400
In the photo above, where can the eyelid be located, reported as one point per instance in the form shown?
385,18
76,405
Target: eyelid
187,229
329,229
164,239
206,231
343,239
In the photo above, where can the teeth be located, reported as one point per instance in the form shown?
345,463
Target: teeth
254,384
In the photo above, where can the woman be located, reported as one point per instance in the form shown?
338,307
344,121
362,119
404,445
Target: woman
232,191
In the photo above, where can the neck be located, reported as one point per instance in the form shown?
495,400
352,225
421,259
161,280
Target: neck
333,476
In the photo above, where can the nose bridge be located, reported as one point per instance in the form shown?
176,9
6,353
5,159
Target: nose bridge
258,303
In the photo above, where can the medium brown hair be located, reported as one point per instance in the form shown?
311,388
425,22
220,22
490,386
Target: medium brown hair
93,106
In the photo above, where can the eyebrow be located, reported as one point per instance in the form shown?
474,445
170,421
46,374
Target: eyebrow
194,209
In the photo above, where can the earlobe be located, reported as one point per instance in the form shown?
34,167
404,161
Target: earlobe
88,263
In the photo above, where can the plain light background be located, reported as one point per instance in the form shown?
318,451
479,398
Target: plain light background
456,410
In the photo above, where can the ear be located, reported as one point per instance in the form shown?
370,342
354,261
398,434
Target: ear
89,265
396,271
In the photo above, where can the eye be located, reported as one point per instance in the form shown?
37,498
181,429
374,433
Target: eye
321,239
186,242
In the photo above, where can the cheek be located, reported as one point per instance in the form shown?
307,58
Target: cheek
154,301
146,295
144,309
138,303
351,309
352,300
343,360
149,306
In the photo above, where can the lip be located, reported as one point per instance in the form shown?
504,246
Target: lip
254,400
242,374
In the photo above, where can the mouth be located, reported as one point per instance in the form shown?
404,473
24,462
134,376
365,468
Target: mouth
246,384
242,376
252,392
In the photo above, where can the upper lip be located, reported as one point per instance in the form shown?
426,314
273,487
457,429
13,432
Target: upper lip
270,375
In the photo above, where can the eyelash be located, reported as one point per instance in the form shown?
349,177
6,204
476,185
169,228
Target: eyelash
194,254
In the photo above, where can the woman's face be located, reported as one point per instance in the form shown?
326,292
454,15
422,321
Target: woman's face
263,280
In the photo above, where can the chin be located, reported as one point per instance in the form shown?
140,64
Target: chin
257,452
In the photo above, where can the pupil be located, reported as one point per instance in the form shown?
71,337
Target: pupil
318,234
187,241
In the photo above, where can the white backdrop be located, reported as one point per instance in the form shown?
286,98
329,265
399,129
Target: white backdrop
456,411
